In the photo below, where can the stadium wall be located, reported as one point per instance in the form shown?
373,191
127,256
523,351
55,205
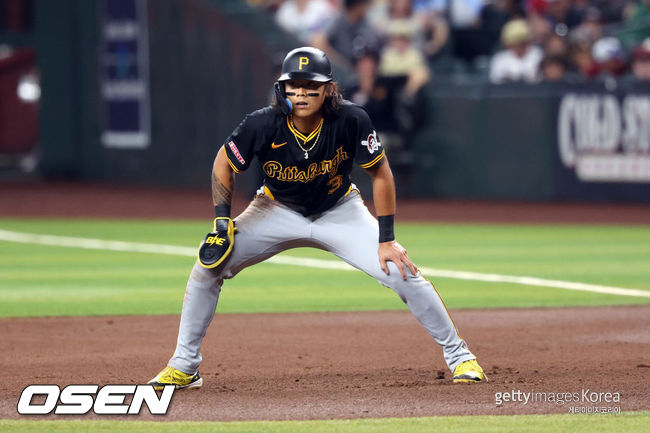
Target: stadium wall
210,62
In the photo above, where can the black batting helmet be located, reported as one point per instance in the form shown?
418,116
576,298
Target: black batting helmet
306,63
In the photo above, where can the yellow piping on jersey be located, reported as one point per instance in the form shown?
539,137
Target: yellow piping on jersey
350,189
235,169
300,135
374,161
268,193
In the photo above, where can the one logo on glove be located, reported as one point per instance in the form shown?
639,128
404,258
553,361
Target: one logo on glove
215,240
372,143
217,245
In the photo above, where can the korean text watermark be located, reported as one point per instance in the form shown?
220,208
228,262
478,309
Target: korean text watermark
583,401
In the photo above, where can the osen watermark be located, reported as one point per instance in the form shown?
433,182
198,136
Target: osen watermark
81,399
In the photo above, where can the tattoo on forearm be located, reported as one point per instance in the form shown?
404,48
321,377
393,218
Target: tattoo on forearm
221,194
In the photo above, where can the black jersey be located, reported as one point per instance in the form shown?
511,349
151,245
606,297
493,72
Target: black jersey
309,181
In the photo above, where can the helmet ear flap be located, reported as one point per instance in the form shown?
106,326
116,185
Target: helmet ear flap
283,102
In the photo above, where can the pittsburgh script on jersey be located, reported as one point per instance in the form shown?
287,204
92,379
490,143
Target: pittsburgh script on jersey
274,169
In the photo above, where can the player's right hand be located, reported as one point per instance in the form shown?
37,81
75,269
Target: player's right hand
217,245
392,251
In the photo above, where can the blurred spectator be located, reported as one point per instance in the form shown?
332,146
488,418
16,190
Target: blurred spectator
304,18
468,39
402,72
429,28
541,28
580,53
591,28
582,39
636,9
556,45
520,60
446,31
384,12
372,92
557,50
465,13
347,34
641,61
536,6
437,32
554,68
608,59
401,58
611,10
637,23
495,14
362,89
389,85
562,16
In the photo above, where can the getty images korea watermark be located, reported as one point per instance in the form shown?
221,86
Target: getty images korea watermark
583,401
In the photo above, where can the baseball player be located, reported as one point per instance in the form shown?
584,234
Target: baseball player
306,143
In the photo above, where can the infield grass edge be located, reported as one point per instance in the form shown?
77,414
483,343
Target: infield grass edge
558,423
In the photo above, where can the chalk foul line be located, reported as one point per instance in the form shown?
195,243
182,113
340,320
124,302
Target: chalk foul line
138,247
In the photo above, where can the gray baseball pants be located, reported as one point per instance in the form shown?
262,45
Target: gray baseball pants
349,231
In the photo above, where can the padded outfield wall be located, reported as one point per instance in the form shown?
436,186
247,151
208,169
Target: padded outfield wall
541,142
186,71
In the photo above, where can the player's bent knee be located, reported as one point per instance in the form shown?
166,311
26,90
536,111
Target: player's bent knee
394,280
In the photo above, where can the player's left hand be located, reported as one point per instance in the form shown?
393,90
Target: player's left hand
218,244
392,251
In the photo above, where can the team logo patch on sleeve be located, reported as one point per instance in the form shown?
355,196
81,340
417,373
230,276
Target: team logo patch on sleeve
234,149
372,143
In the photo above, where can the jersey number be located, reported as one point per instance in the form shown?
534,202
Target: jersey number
335,183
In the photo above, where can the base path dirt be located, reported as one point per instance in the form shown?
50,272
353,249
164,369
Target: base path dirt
343,365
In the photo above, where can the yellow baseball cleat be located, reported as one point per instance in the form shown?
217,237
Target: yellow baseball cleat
469,372
171,376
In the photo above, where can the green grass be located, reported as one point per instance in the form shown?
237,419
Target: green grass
628,422
38,280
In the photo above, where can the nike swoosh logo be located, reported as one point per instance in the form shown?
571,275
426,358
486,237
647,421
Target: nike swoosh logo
275,146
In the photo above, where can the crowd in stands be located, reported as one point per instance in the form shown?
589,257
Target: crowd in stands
505,40
392,48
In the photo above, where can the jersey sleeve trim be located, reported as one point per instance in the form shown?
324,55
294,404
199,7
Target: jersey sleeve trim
235,169
374,161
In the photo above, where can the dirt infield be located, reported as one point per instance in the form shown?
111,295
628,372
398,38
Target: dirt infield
343,365
332,365
68,199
